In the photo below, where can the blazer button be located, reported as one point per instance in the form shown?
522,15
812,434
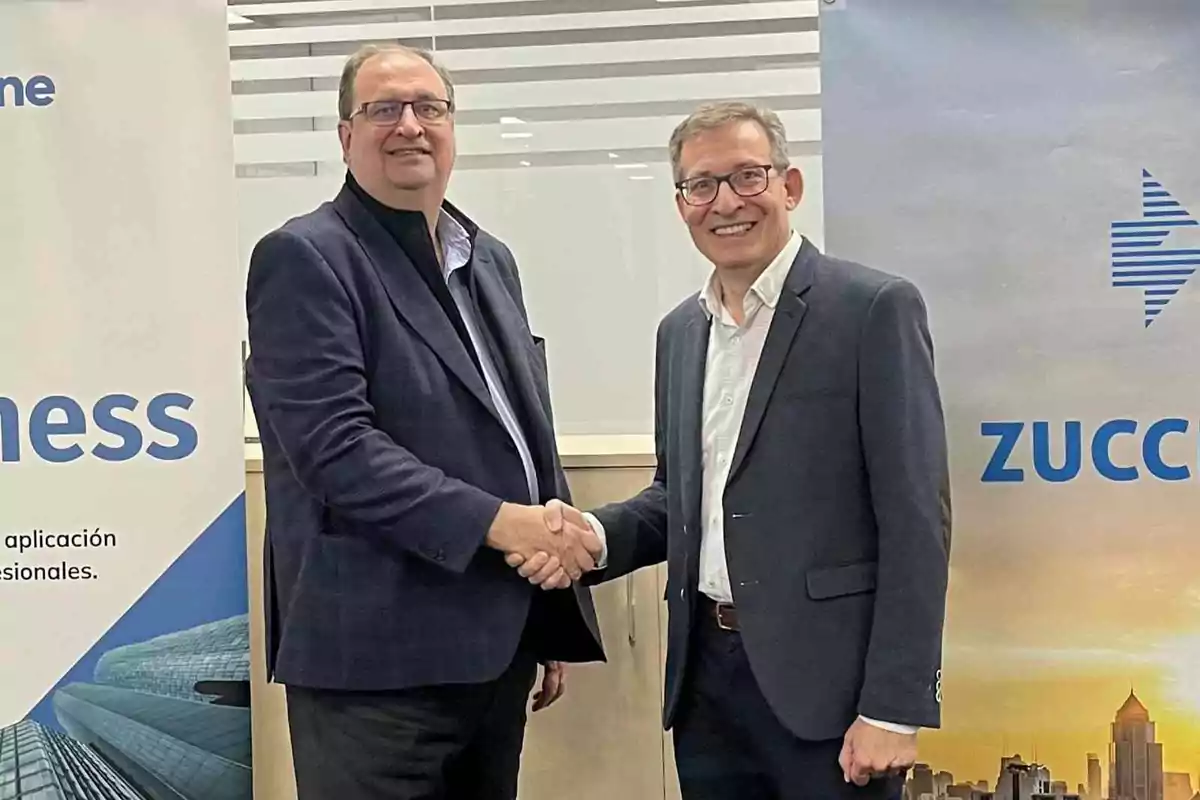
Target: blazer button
440,555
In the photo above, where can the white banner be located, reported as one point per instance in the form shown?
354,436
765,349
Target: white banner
123,598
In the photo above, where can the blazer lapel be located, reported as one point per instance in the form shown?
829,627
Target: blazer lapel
411,297
789,313
515,342
689,398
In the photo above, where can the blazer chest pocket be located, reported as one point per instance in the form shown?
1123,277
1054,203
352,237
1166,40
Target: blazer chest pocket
829,582
537,347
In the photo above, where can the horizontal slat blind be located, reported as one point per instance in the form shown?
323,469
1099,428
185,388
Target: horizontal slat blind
556,99
565,79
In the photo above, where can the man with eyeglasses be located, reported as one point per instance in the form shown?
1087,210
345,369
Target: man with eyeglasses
801,499
408,446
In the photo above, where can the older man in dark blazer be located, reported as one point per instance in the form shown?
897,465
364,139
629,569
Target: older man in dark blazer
407,444
801,498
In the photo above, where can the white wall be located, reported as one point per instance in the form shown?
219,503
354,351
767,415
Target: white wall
582,192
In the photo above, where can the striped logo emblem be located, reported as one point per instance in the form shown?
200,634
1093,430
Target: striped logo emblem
1139,258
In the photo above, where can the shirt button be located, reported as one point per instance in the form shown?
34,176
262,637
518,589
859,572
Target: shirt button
728,400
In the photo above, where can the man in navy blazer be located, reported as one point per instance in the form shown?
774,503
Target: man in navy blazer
408,447
801,499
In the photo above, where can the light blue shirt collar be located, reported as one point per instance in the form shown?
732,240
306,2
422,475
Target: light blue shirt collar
456,244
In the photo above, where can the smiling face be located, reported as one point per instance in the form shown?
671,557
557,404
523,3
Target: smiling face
738,233
406,165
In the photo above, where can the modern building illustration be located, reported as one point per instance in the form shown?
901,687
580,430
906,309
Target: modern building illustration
36,762
1094,783
164,719
1135,757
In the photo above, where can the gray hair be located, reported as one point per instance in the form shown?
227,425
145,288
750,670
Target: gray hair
718,115
369,51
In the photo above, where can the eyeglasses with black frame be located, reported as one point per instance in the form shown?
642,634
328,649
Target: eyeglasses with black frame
386,113
746,182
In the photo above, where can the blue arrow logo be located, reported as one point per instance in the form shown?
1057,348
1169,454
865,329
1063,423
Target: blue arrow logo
1138,257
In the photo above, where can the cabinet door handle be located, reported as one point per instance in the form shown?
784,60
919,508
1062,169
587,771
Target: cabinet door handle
631,610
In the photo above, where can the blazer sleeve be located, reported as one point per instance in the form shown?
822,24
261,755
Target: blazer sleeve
308,370
636,530
904,442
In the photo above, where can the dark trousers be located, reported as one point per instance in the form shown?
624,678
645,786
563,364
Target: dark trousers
729,743
431,743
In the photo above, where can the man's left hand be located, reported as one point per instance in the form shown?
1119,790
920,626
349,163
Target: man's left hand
554,685
870,752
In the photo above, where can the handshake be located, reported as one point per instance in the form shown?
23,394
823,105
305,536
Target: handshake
550,545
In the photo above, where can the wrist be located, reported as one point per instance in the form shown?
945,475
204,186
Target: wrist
498,535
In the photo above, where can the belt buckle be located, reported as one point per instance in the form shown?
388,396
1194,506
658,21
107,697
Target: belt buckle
721,617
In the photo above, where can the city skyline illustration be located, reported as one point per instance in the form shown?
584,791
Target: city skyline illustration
1131,767
1062,599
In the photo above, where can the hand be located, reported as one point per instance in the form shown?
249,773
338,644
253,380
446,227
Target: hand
870,752
554,685
544,569
525,531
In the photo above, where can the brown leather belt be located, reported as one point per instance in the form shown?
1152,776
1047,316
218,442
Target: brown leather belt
724,614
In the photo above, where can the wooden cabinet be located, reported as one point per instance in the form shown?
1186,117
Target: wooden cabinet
604,739
273,777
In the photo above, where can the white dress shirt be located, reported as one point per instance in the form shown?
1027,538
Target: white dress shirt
731,362
733,354
456,253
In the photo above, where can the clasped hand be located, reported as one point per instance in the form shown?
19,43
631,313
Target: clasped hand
870,752
550,545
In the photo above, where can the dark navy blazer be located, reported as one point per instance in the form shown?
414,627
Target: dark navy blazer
385,462
837,506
